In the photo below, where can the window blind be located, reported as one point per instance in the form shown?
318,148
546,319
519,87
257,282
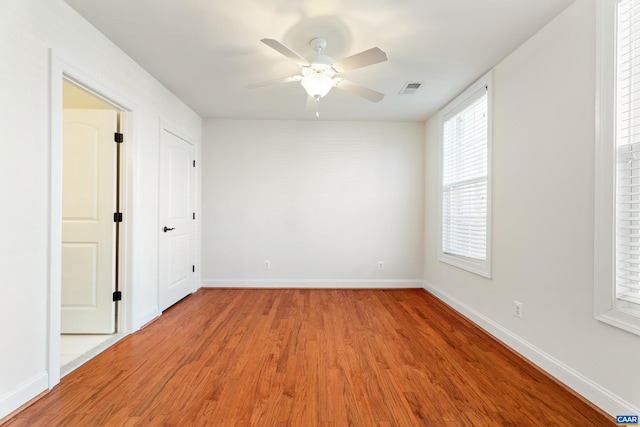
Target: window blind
464,179
627,237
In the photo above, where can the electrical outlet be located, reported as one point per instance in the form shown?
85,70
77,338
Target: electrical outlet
517,309
267,264
380,265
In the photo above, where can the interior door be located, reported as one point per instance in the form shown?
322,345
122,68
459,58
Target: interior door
88,231
177,202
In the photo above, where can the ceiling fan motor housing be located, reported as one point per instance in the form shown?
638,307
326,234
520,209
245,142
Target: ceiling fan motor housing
318,45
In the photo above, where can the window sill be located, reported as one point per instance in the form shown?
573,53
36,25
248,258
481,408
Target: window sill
481,268
620,318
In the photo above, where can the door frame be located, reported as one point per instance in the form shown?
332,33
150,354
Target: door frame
64,70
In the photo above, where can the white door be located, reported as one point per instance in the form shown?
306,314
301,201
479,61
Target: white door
88,230
177,202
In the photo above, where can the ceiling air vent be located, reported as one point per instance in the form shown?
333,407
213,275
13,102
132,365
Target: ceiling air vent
410,88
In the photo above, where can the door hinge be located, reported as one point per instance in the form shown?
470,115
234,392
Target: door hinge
194,163
117,217
118,137
117,296
193,268
194,215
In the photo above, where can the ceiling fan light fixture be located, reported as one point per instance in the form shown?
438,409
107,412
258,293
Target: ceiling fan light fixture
317,85
320,73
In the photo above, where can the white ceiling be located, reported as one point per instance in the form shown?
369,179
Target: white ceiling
206,51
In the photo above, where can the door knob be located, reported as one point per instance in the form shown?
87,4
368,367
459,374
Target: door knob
165,229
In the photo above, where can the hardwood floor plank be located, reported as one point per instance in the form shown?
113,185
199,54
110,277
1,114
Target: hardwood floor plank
309,357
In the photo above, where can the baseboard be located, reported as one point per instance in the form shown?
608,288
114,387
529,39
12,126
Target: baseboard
313,283
591,391
146,318
24,393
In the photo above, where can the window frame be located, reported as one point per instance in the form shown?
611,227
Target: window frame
605,308
479,267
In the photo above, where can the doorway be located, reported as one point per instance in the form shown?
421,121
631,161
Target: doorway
90,231
63,70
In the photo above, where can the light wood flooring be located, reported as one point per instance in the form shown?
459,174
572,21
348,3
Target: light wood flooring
294,357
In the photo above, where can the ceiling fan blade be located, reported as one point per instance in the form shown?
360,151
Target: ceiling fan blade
275,44
362,59
356,89
274,82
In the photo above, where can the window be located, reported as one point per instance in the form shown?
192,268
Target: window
465,180
617,216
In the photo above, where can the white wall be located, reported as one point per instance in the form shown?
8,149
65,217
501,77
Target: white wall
543,204
323,201
28,29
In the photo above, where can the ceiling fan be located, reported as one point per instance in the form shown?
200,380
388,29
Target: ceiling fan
320,73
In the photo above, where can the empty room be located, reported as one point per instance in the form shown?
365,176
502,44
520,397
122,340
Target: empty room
320,213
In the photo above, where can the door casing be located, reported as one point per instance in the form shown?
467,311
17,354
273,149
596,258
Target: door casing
63,69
